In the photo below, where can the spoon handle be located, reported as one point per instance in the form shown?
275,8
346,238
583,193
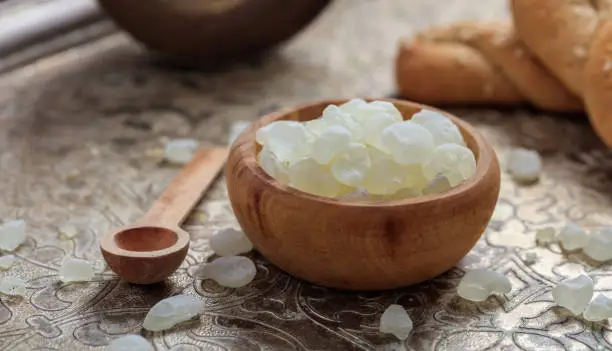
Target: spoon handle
186,189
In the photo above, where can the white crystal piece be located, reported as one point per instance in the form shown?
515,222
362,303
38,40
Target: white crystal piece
574,293
229,271
333,115
359,194
599,309
455,162
171,311
230,242
444,131
75,270
374,126
424,116
352,165
353,106
524,165
272,165
573,237
68,231
330,142
599,246
546,235
6,262
287,140
12,235
395,320
438,185
385,176
386,107
317,126
12,286
236,129
180,151
530,258
130,342
479,284
311,177
408,142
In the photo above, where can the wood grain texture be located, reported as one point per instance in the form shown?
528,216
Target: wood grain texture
477,63
154,247
362,246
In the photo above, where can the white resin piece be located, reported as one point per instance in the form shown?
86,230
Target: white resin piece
333,115
171,311
395,320
573,237
352,165
330,142
438,185
130,342
75,270
574,293
236,129
374,126
230,242
12,235
385,176
455,162
530,258
386,107
599,246
12,286
180,151
68,232
287,140
6,262
408,142
229,271
524,165
359,194
444,131
424,116
352,106
272,166
599,309
479,284
309,176
546,235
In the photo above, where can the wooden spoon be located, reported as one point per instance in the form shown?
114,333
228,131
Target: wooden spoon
154,247
360,245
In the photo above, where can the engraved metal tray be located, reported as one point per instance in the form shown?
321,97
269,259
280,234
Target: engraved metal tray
80,133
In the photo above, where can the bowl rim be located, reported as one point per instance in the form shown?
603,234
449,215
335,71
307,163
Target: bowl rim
246,146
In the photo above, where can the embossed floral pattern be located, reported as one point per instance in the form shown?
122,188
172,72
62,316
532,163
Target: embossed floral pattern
78,133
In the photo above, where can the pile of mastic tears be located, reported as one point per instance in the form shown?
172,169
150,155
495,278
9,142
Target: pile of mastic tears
362,150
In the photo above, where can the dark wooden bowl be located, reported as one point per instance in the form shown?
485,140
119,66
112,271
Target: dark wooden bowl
361,245
212,30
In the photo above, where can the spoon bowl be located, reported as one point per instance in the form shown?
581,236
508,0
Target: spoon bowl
145,254
150,250
365,245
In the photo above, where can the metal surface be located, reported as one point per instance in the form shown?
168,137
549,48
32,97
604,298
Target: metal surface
79,135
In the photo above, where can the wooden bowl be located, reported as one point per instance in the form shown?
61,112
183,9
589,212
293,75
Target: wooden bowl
212,29
360,245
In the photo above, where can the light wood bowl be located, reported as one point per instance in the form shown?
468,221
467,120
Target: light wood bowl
360,245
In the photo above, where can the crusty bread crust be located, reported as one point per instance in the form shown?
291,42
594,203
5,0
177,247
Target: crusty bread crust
598,83
477,63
